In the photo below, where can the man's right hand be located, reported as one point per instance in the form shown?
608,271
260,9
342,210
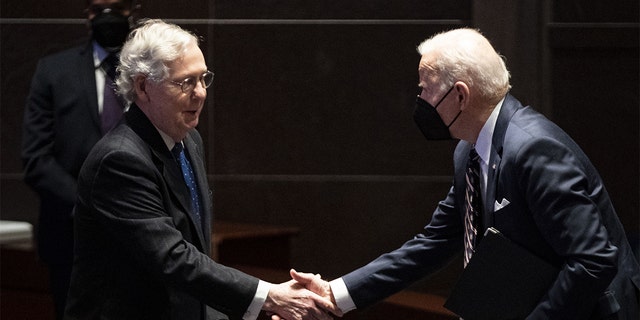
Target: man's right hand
319,287
293,300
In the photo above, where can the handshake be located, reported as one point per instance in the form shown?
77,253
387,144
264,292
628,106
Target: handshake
305,296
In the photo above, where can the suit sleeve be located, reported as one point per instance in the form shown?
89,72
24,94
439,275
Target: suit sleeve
559,193
42,170
427,252
128,197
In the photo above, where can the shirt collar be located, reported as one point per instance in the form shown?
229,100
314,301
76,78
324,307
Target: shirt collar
483,144
168,141
99,54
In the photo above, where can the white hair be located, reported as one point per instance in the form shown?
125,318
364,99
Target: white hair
466,55
147,50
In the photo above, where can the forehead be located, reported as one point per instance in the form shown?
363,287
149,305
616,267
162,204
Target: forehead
191,62
426,71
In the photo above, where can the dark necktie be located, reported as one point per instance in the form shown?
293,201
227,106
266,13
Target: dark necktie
112,106
473,205
189,179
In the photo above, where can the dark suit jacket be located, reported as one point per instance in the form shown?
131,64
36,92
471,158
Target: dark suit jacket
138,253
559,209
61,125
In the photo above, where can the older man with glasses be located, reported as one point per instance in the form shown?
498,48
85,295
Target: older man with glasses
143,216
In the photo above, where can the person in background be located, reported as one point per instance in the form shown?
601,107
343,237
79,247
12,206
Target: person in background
71,104
143,215
516,171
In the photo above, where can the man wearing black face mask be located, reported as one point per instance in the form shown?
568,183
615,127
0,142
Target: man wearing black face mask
71,104
429,122
515,171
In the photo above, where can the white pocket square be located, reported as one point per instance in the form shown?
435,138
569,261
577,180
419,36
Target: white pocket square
499,205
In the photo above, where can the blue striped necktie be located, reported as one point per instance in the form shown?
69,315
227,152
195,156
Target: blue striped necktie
189,179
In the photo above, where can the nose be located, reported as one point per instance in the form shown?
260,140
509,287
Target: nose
200,91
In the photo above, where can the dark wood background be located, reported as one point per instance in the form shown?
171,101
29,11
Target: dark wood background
309,120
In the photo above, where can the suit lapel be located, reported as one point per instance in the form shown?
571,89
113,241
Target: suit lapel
171,171
87,76
173,177
492,175
175,181
198,170
509,108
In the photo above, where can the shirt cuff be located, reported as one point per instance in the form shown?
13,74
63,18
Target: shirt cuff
258,301
341,294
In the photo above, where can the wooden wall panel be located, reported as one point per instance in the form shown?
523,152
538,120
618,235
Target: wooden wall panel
339,9
320,99
595,11
34,9
344,222
19,58
596,99
595,61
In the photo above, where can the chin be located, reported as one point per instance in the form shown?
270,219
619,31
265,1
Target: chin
191,122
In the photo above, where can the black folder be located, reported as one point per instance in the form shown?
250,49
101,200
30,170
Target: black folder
502,281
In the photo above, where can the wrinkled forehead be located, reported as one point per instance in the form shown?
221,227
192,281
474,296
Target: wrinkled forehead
427,71
190,63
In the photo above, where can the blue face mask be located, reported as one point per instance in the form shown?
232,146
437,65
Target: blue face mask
430,122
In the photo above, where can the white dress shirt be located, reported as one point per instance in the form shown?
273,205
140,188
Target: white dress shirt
99,54
483,146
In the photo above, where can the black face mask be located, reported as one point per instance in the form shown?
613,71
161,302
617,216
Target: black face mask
430,122
110,30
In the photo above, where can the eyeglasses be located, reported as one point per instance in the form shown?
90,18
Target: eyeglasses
187,85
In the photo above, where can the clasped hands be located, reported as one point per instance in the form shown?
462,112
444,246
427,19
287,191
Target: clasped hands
305,296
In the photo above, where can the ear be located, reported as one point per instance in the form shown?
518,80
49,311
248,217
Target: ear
140,86
461,91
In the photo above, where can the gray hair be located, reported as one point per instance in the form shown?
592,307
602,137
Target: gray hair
147,50
466,55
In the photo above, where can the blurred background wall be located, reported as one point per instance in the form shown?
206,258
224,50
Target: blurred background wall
309,120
